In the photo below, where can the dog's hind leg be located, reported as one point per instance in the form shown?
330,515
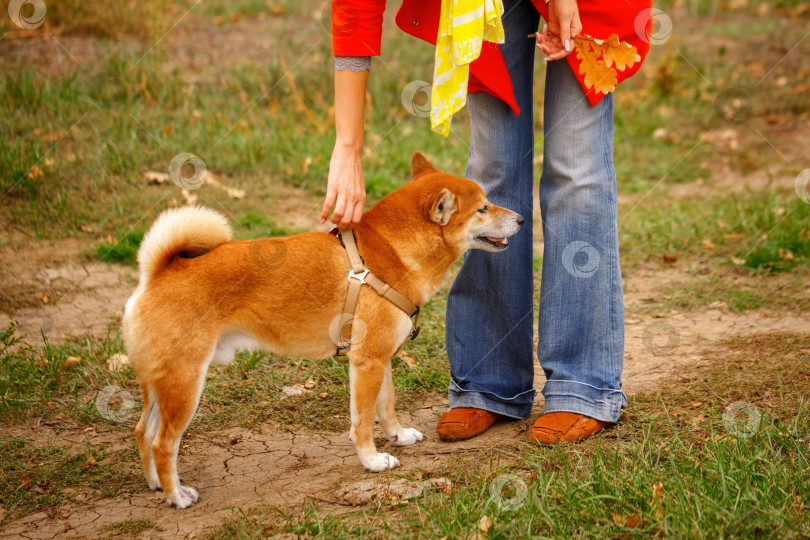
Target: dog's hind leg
178,398
388,417
145,433
365,379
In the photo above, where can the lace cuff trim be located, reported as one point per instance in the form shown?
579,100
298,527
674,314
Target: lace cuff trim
354,63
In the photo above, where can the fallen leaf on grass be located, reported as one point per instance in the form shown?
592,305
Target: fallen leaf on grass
694,422
234,193
154,177
72,361
44,297
35,173
631,521
485,523
670,259
707,244
323,395
294,390
409,360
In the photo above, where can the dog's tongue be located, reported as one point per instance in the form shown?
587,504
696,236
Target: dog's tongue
498,240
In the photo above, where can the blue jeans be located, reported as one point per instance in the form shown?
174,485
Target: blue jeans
581,313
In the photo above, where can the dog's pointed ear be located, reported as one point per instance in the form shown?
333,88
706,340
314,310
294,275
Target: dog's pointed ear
420,165
442,206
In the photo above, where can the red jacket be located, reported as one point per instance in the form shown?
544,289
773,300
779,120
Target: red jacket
357,31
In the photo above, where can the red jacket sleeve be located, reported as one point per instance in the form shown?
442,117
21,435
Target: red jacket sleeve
357,27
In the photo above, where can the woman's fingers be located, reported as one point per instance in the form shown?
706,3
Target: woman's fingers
327,204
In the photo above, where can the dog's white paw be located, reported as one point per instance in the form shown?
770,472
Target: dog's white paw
186,496
380,462
154,485
408,437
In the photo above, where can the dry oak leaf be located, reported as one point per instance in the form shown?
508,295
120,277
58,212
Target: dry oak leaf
618,53
601,58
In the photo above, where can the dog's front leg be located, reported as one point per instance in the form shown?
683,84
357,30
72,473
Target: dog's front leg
386,412
366,376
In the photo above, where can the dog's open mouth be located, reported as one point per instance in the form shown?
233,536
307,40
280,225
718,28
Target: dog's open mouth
495,242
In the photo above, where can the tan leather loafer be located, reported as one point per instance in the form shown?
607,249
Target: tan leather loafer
463,423
557,427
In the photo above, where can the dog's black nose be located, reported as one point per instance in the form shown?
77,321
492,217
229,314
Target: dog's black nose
520,220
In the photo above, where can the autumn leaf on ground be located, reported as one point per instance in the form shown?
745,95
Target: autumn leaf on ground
631,522
657,500
409,360
485,523
601,58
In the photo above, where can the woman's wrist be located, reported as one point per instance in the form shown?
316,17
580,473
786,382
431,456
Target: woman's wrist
349,144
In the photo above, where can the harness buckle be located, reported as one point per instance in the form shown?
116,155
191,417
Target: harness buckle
361,277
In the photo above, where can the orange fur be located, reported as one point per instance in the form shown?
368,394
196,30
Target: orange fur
201,298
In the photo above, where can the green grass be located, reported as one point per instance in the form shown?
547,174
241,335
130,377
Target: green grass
761,231
37,477
131,526
124,251
35,381
720,476
93,133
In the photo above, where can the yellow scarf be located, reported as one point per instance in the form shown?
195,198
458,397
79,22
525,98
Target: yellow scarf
464,26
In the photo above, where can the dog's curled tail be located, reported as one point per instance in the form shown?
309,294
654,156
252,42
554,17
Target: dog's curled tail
191,229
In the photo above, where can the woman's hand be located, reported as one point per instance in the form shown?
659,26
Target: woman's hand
345,188
563,24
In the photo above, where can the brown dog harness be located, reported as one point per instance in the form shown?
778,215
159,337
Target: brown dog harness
359,275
